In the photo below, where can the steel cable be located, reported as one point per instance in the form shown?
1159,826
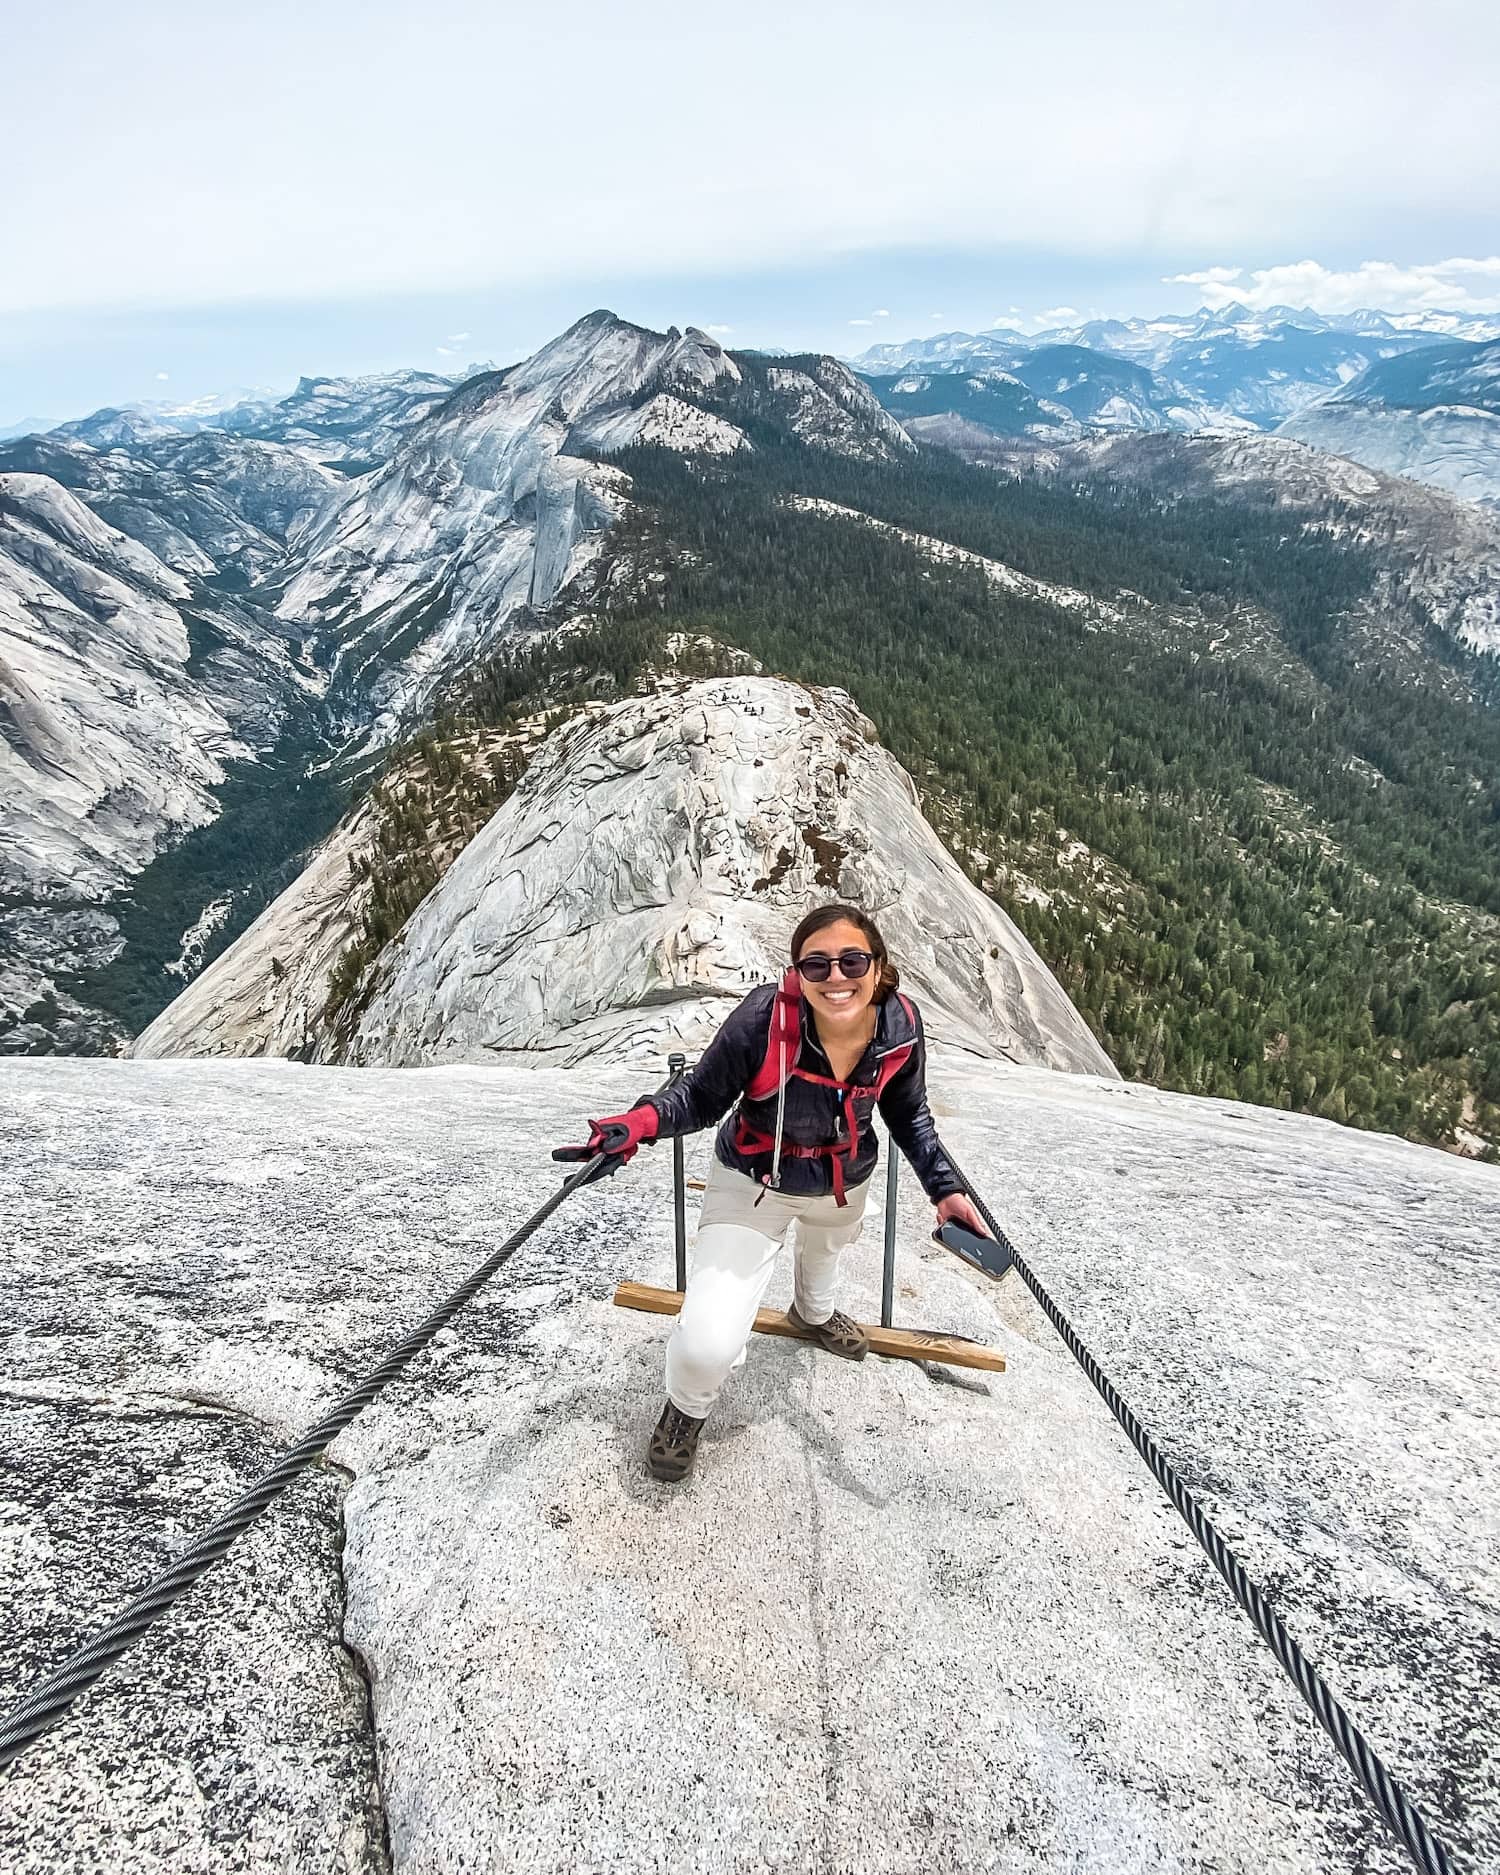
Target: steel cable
1396,1808
51,1697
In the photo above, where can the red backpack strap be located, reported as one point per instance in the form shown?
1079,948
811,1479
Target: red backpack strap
785,1029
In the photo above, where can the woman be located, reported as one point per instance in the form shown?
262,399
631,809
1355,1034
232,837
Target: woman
807,1063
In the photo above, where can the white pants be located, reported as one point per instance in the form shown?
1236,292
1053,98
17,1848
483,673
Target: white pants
733,1257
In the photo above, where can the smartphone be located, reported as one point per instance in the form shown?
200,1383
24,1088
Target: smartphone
983,1253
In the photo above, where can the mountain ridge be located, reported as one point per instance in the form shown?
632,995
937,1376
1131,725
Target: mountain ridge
1277,679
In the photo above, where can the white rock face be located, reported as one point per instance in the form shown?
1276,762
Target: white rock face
108,742
482,511
649,870
1450,446
111,739
830,408
891,1624
665,420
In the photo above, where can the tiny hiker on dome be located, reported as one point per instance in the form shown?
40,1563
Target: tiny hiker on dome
802,1065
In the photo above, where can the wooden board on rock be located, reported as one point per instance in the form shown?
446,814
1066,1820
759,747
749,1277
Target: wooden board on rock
904,1344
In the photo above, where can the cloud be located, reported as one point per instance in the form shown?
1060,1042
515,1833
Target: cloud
1259,155
719,331
937,315
445,351
1054,315
882,312
161,377
1457,285
455,338
1206,276
1007,324
861,322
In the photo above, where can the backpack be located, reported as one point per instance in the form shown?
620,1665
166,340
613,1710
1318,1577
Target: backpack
783,1044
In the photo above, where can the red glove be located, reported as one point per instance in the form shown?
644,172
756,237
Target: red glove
617,1137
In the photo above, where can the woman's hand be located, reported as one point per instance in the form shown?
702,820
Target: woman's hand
958,1208
615,1138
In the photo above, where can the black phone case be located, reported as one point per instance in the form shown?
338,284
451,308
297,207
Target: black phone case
983,1253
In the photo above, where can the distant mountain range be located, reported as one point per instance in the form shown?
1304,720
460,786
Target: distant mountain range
329,419
1161,342
1315,377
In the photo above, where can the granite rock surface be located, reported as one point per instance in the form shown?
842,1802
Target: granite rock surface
647,872
899,1619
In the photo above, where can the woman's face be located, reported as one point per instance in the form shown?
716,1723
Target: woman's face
842,1001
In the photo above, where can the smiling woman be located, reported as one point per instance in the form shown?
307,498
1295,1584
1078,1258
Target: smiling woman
803,1065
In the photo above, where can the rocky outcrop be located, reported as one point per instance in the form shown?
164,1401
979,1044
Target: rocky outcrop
896,1621
825,405
650,867
646,872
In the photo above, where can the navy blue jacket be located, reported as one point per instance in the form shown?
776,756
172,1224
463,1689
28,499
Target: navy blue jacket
814,1115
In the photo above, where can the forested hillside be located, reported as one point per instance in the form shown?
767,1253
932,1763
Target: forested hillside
1264,860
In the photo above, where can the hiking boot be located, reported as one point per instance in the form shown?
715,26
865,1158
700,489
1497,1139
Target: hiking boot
838,1334
674,1445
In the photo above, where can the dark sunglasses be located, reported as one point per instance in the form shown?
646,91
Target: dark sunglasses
817,968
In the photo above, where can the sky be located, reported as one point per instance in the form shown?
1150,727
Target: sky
203,199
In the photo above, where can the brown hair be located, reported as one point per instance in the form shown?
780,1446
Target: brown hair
886,974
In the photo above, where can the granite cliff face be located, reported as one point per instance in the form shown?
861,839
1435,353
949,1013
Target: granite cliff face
645,873
115,727
1450,446
482,511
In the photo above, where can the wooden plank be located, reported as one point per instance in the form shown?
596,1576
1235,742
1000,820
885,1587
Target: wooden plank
902,1344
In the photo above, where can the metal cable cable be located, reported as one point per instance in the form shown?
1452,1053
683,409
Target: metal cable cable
1396,1808
51,1697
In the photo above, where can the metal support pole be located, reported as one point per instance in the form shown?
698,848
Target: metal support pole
888,1271
678,1065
